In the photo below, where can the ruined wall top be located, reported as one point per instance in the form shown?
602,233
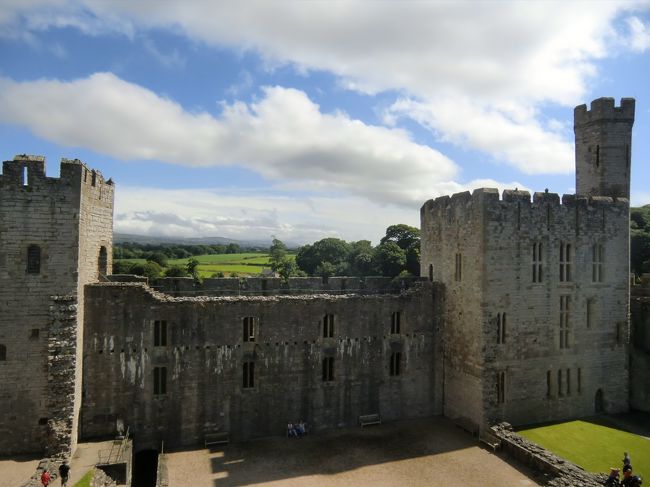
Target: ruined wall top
604,109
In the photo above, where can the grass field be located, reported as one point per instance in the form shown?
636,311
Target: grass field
595,447
209,264
85,481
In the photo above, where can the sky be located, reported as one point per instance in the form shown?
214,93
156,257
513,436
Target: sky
313,119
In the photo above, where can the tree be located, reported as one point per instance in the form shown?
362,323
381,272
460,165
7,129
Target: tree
191,267
361,259
390,258
333,251
278,253
408,239
176,271
151,270
158,257
122,267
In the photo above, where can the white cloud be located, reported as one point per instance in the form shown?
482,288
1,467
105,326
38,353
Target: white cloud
639,37
171,59
283,136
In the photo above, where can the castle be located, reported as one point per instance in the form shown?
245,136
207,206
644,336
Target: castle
521,315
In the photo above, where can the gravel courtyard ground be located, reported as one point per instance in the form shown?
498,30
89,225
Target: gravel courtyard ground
431,452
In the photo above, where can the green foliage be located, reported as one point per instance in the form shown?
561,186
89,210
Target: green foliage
218,275
332,251
640,239
390,258
176,271
191,267
278,253
158,257
595,447
86,480
408,239
151,270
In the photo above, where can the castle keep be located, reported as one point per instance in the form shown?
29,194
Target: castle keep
521,314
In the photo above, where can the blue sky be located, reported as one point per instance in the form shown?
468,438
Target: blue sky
312,119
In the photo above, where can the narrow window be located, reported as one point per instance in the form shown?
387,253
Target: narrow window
3,352
102,261
537,262
395,323
249,328
565,262
85,175
597,156
597,254
25,176
591,303
160,333
568,382
328,326
459,267
395,363
559,383
498,328
94,179
501,387
328,369
249,375
431,272
33,259
501,328
548,383
159,380
565,309
34,333
579,380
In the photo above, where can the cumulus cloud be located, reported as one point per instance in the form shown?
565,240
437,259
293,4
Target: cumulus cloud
283,136
639,36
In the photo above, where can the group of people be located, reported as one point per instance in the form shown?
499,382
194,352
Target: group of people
64,473
296,430
629,479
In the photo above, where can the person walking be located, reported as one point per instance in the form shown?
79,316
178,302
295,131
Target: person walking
64,473
45,478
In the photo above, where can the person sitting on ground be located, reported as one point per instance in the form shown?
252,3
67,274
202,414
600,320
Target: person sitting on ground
612,480
302,428
630,480
291,431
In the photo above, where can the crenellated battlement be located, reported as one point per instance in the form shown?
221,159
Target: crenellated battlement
29,171
604,109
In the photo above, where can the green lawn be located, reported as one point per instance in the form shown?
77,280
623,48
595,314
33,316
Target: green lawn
593,446
85,480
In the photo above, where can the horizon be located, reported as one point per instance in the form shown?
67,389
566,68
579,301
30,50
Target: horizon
308,121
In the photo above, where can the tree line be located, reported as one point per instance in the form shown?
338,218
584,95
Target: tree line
640,240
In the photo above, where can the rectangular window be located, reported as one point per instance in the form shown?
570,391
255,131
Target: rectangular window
568,382
548,383
159,380
501,328
33,259
328,369
160,333
565,262
395,363
591,303
560,392
538,268
458,276
597,260
565,309
501,387
328,326
579,380
395,323
249,328
249,375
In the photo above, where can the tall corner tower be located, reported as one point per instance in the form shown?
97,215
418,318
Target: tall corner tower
56,236
604,147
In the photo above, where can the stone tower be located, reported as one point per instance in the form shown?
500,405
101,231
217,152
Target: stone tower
55,237
603,147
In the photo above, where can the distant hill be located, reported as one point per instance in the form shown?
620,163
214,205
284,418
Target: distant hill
119,238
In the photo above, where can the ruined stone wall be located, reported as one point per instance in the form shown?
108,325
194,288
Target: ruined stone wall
640,349
546,377
604,147
36,210
452,234
205,354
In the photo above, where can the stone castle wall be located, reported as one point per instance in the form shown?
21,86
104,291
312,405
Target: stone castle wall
36,210
205,353
640,349
493,240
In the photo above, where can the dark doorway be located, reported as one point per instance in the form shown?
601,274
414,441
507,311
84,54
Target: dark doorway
102,262
145,466
599,405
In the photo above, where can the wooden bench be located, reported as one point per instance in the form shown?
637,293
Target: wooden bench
221,438
368,419
488,439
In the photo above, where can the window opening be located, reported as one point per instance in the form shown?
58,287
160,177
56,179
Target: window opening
160,333
565,308
249,329
395,363
25,176
431,272
598,257
328,369
568,382
159,380
3,352
249,375
94,179
459,267
591,303
102,262
501,328
501,387
565,262
328,326
395,322
33,259
548,383
559,383
597,156
537,262
34,333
